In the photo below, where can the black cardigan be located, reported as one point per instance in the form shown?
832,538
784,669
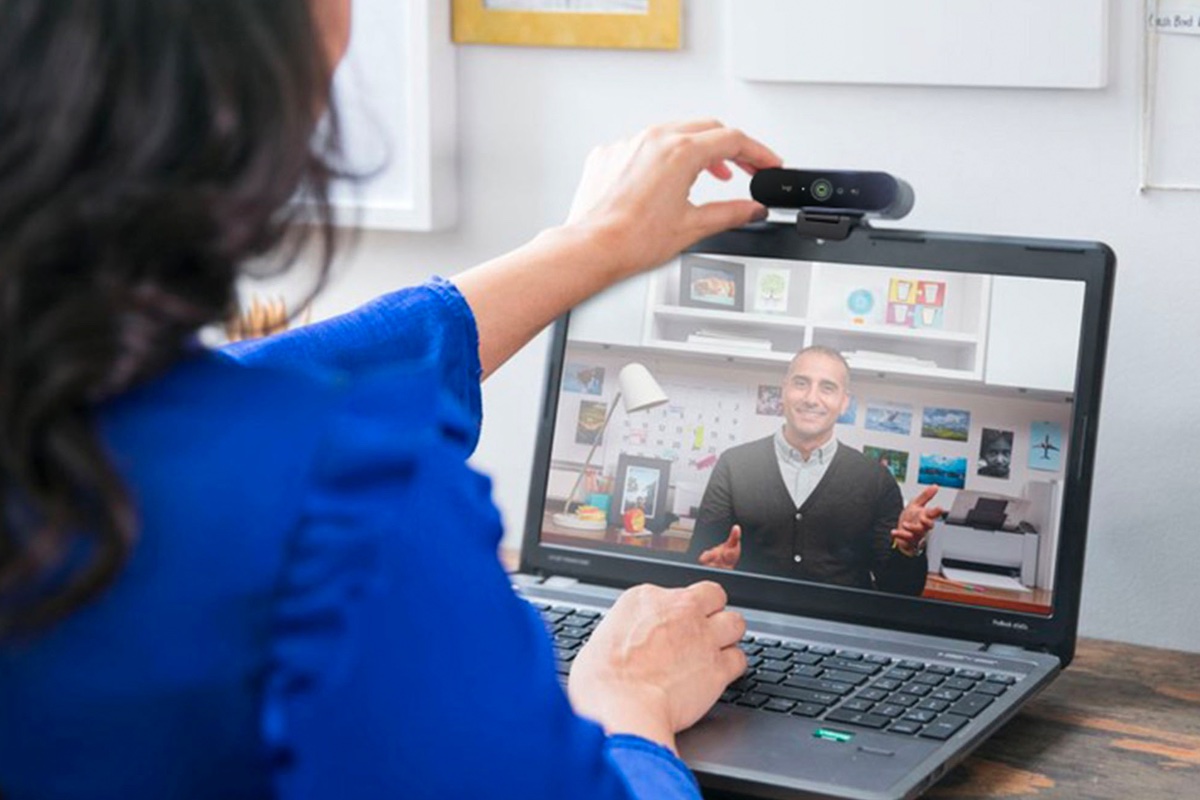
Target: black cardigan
840,535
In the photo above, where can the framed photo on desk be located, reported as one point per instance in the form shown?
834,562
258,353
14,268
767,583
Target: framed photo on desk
640,483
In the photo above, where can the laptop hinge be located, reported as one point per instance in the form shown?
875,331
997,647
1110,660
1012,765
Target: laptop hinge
1006,649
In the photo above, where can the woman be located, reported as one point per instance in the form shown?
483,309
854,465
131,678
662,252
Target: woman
268,571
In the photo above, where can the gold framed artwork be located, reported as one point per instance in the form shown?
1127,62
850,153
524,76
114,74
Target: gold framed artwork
626,24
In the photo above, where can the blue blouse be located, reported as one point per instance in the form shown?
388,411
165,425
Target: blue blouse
314,607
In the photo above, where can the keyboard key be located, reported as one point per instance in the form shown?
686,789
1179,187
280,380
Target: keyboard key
991,689
551,618
809,659
743,683
970,674
728,696
944,727
904,727
937,706
1007,680
778,653
915,666
898,674
874,659
573,632
920,715
962,684
820,650
752,700
820,685
580,622
863,718
750,649
800,695
889,710
872,694
916,689
951,695
971,705
767,642
563,654
906,700
566,642
583,612
777,666
564,610
850,666
779,704
850,655
795,647
747,638
938,669
887,684
808,710
929,679
767,676
562,667
852,678
805,672
857,704
753,661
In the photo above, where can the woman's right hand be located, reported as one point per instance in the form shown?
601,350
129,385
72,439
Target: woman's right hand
658,661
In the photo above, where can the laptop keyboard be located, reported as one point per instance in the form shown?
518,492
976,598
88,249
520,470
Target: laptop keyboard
847,687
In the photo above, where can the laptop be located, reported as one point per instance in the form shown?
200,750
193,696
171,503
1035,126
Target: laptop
975,366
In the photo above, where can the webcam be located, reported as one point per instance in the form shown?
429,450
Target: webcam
848,193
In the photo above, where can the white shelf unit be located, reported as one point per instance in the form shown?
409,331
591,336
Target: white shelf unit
817,313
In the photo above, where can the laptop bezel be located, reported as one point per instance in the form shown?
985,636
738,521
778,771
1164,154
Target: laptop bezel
1091,263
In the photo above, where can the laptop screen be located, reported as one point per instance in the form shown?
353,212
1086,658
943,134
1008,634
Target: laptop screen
775,417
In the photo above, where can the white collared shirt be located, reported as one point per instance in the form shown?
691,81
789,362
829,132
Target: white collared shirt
801,476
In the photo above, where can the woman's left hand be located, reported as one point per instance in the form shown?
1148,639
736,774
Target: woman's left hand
634,193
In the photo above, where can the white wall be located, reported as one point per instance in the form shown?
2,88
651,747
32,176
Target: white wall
1052,163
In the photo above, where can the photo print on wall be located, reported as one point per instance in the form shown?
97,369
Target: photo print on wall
939,470
770,401
583,379
888,417
894,461
995,453
590,424
946,423
1045,446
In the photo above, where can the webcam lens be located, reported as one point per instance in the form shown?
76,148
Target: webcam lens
822,190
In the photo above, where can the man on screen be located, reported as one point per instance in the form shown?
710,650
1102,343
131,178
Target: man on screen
801,505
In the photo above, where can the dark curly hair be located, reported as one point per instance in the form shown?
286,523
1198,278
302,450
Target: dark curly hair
148,149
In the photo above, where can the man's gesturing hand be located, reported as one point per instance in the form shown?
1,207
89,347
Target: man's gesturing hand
916,521
726,554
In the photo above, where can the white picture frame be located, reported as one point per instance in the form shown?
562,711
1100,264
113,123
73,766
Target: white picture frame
395,93
1015,43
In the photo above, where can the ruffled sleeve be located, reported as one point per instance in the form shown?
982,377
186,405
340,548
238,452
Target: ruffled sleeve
402,663
429,324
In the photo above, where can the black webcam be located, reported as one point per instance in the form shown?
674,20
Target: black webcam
847,193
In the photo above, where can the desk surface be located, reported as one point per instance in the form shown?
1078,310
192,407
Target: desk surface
1121,722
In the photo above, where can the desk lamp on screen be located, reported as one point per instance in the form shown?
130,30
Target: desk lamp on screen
638,391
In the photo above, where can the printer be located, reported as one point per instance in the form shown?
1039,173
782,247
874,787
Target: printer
986,532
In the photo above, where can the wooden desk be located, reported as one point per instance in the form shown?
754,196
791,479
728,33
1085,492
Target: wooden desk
1121,722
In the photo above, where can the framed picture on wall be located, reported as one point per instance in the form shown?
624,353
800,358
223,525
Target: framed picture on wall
712,283
640,484
396,101
625,24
